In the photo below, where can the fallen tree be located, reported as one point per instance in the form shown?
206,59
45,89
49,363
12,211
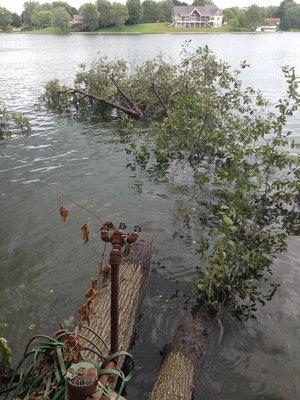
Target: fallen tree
144,94
242,201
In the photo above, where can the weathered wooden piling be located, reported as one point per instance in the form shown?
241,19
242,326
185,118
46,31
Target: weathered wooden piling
178,370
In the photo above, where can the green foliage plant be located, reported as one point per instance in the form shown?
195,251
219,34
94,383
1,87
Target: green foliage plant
253,16
29,9
135,11
41,18
119,14
42,372
15,20
5,18
5,355
104,7
291,19
12,123
61,19
151,11
91,16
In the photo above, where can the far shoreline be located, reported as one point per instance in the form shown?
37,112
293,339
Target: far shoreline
107,33
158,28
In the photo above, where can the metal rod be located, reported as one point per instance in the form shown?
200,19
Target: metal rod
117,238
114,310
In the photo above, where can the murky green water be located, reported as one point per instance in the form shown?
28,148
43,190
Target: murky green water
45,268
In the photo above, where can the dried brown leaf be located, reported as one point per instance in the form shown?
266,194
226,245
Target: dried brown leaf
109,226
101,265
84,313
85,233
64,213
94,290
104,271
72,348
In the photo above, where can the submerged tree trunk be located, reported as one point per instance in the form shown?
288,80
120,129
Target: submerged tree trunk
176,376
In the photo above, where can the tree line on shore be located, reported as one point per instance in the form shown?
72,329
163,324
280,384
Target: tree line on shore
105,13
288,11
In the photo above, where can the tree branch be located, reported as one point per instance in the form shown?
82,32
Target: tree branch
132,113
193,148
160,99
130,101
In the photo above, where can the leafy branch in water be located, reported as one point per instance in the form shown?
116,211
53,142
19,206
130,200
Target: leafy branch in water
111,89
200,122
13,123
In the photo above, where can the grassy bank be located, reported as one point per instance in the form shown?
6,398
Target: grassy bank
160,27
151,28
50,30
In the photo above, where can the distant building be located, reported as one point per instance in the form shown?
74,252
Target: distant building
77,21
208,15
272,21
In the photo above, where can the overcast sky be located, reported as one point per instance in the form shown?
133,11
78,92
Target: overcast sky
17,5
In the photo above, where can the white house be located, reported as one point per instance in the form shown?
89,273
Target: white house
208,15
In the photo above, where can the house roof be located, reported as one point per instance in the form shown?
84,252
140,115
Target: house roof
272,21
207,10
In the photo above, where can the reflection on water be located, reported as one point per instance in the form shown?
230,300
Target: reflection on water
45,268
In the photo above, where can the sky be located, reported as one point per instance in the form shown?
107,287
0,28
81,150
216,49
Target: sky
17,5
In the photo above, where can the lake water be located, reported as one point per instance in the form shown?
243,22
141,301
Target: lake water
45,268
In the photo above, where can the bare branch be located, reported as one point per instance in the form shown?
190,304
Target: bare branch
130,100
79,205
160,98
133,113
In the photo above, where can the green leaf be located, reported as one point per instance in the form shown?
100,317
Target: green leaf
61,361
227,220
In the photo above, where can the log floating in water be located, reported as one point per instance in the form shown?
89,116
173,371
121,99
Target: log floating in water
178,370
134,272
